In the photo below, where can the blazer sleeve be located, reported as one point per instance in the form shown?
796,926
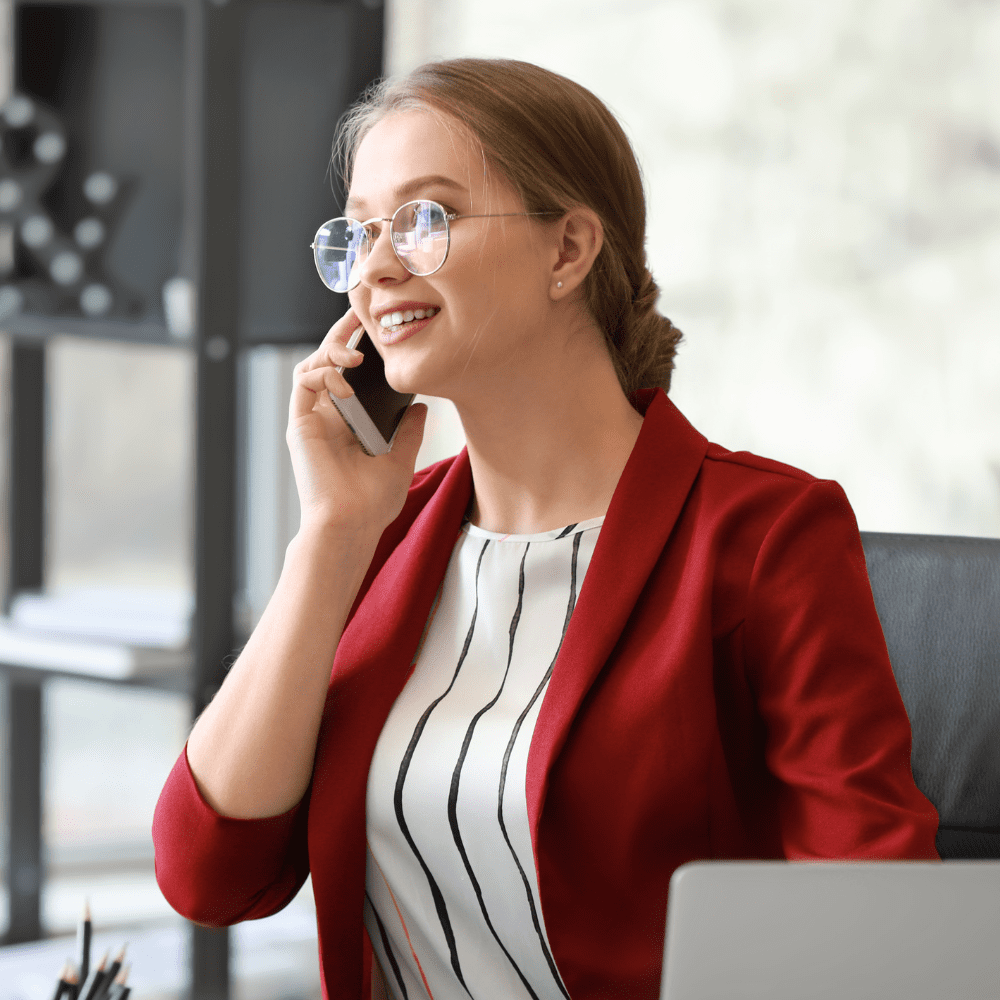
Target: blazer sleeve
837,733
217,870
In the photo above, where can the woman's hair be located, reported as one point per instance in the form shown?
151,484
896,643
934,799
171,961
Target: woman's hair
558,146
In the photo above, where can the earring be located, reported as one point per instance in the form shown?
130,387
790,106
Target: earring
558,284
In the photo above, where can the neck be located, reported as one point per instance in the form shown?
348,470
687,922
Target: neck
546,452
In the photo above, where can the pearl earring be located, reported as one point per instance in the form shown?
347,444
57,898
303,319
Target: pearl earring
558,284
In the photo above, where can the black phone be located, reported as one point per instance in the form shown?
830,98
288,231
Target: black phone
374,411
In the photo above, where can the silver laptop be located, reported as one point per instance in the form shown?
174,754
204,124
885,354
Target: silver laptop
774,930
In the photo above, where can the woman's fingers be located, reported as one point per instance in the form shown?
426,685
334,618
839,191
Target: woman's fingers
321,368
310,388
334,350
333,355
301,402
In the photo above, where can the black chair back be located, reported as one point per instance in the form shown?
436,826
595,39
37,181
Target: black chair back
938,598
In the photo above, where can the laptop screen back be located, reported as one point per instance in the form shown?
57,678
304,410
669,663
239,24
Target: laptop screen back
833,930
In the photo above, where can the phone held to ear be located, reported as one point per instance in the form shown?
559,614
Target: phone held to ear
374,411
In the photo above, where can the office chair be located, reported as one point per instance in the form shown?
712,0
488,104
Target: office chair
938,598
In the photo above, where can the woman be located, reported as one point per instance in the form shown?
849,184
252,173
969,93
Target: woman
588,649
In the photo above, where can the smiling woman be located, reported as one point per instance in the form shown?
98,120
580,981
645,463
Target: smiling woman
589,648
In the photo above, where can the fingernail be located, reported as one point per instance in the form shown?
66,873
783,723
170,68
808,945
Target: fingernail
355,353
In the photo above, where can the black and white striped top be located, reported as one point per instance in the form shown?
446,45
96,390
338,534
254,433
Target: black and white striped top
451,892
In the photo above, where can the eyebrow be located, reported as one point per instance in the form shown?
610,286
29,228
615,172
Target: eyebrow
412,187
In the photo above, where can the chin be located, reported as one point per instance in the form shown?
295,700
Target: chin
421,370
408,378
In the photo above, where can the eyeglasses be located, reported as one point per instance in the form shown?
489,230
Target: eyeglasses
420,233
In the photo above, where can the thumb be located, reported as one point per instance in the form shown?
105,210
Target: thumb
409,436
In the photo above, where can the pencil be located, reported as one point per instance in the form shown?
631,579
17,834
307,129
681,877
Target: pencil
119,991
91,989
66,981
73,983
83,932
109,976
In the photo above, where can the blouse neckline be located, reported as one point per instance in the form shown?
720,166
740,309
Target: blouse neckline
543,536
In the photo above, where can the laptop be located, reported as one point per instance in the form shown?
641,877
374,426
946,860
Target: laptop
886,930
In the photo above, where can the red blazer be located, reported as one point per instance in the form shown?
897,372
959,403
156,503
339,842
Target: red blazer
723,691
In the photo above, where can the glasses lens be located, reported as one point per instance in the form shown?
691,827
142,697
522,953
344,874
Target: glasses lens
420,236
338,249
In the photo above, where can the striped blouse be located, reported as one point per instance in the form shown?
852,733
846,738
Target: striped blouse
451,902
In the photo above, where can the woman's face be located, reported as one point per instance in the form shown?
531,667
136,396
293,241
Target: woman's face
492,294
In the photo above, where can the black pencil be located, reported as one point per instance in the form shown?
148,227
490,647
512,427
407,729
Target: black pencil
91,989
119,991
73,983
83,932
67,979
109,976
61,982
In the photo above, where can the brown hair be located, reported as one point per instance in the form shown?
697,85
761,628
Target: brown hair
558,145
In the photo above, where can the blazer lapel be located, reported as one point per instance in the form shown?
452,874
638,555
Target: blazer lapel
372,664
655,483
390,620
377,647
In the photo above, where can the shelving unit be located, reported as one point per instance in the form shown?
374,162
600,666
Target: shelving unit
215,121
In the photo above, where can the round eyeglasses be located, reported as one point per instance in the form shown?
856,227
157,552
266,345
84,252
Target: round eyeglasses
420,234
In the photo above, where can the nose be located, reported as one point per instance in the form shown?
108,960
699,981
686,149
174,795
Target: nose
381,262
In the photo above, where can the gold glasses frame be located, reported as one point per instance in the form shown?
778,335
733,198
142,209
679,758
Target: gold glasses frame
368,241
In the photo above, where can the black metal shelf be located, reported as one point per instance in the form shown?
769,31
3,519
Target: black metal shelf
34,329
220,117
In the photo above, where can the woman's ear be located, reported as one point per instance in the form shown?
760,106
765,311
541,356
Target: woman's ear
579,238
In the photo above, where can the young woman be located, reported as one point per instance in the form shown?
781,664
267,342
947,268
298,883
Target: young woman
586,650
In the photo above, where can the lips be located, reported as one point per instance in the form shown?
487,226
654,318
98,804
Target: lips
406,312
394,333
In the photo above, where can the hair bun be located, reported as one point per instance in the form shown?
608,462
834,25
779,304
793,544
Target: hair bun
647,294
650,340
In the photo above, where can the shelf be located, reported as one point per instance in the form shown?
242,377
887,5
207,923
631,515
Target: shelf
21,649
29,327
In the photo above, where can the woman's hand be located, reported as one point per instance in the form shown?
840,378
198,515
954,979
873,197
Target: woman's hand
339,485
251,752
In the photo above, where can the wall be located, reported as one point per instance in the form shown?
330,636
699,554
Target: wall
824,206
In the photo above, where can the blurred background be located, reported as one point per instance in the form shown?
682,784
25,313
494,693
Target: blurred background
823,186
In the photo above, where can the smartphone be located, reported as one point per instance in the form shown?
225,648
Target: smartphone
374,411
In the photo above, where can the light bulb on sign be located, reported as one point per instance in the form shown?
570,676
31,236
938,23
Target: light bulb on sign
89,233
50,147
18,111
11,300
100,187
66,267
10,195
36,231
95,300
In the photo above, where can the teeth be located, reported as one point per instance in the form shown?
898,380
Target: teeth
392,320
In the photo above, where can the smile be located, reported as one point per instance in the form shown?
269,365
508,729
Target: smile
393,322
